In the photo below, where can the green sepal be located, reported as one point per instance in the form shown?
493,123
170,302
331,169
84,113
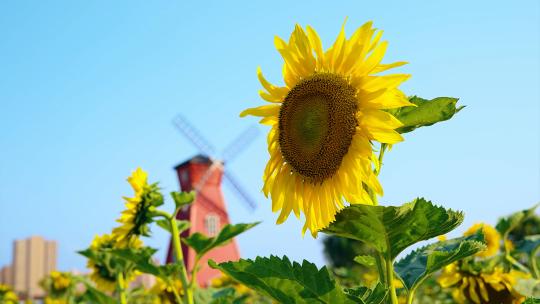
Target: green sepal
391,229
424,261
181,224
286,282
202,244
426,112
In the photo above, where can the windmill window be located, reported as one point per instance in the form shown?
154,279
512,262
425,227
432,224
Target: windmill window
211,224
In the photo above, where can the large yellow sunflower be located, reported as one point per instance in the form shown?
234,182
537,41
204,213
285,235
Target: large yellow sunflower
324,120
491,236
103,272
137,215
496,286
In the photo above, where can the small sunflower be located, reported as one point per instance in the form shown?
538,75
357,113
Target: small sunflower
137,215
60,280
7,295
496,286
491,236
324,120
103,272
164,291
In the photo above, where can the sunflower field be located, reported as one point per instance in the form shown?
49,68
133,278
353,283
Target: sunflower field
331,124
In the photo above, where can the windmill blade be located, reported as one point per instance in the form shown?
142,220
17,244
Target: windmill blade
239,143
244,196
193,135
213,166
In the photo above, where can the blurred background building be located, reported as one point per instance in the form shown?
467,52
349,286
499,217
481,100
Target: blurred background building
33,258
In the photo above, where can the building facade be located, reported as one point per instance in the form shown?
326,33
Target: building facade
33,259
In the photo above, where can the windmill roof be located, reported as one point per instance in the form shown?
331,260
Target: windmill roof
199,158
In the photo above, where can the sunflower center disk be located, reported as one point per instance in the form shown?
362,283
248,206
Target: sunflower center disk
316,125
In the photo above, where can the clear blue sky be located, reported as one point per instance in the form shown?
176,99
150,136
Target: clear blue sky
88,90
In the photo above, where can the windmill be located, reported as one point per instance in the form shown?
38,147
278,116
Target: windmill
203,174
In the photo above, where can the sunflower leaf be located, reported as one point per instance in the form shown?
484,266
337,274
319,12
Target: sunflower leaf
426,112
376,295
181,224
390,229
511,222
529,243
182,199
365,260
94,295
422,262
202,244
286,282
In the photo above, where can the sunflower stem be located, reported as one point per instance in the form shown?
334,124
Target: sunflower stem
175,291
121,288
380,267
180,260
390,280
534,264
194,272
381,156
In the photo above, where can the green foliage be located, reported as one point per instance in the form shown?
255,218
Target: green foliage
532,301
202,244
286,282
376,295
182,199
94,295
529,244
423,262
142,259
390,229
511,222
426,112
182,225
365,260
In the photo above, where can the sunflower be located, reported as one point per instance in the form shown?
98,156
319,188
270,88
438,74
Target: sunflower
491,236
103,272
324,120
165,292
496,286
7,295
137,215
60,280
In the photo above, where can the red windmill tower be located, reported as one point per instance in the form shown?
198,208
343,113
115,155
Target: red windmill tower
208,213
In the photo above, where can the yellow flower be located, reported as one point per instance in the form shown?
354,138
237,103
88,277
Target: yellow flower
55,301
7,295
324,120
60,280
494,287
491,236
101,273
165,290
136,217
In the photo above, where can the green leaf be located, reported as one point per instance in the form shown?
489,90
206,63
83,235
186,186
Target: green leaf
421,263
376,295
182,225
532,301
182,198
426,112
390,229
142,258
202,244
511,222
529,244
284,281
365,260
93,295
